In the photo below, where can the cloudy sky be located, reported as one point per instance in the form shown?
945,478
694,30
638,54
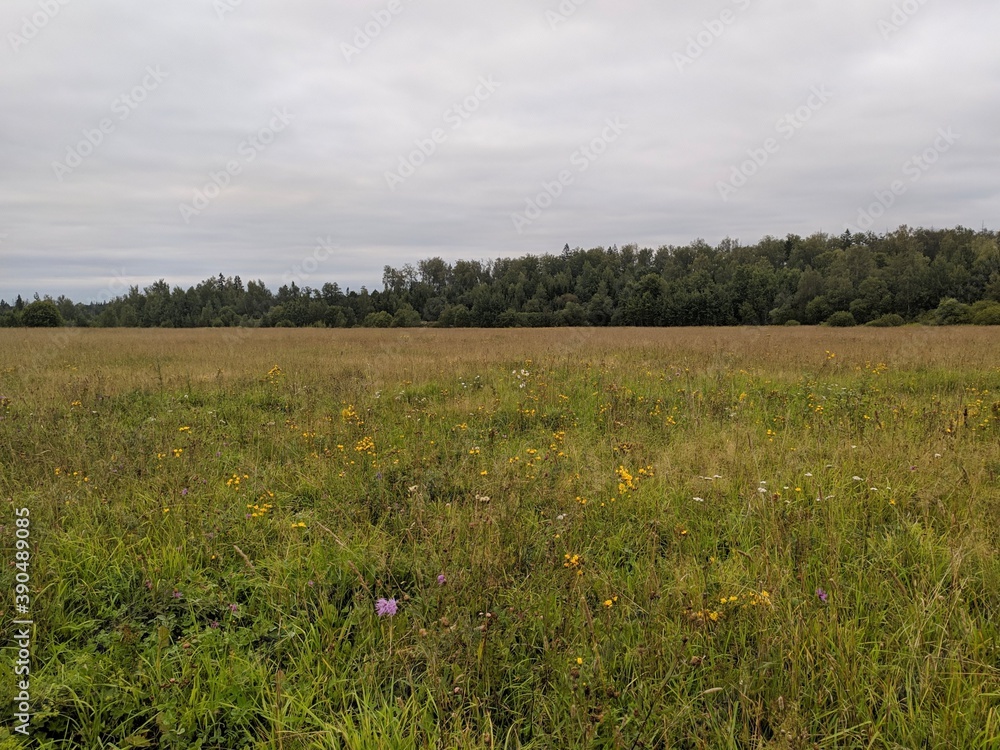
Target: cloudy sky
322,139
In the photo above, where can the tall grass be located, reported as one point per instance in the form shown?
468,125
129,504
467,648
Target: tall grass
703,538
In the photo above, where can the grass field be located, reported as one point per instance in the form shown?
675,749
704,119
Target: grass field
636,538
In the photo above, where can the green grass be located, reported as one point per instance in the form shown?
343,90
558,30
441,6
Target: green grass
632,541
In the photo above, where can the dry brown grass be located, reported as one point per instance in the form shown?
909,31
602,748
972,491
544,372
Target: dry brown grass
124,359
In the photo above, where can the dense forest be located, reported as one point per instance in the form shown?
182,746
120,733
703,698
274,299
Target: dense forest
932,276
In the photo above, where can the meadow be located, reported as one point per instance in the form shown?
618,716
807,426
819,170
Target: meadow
562,538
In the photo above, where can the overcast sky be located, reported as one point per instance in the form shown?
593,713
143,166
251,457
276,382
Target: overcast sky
180,139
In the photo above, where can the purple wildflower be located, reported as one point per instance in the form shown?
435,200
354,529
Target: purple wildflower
184,492
385,607
822,595
213,624
234,608
442,580
177,594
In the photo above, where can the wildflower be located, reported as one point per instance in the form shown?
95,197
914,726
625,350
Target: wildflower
579,660
213,624
365,445
441,580
183,429
699,499
234,608
822,595
385,607
177,594
184,492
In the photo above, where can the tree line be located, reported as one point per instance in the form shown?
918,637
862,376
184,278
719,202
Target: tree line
945,276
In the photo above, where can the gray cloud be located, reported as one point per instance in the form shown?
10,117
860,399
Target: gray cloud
689,124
